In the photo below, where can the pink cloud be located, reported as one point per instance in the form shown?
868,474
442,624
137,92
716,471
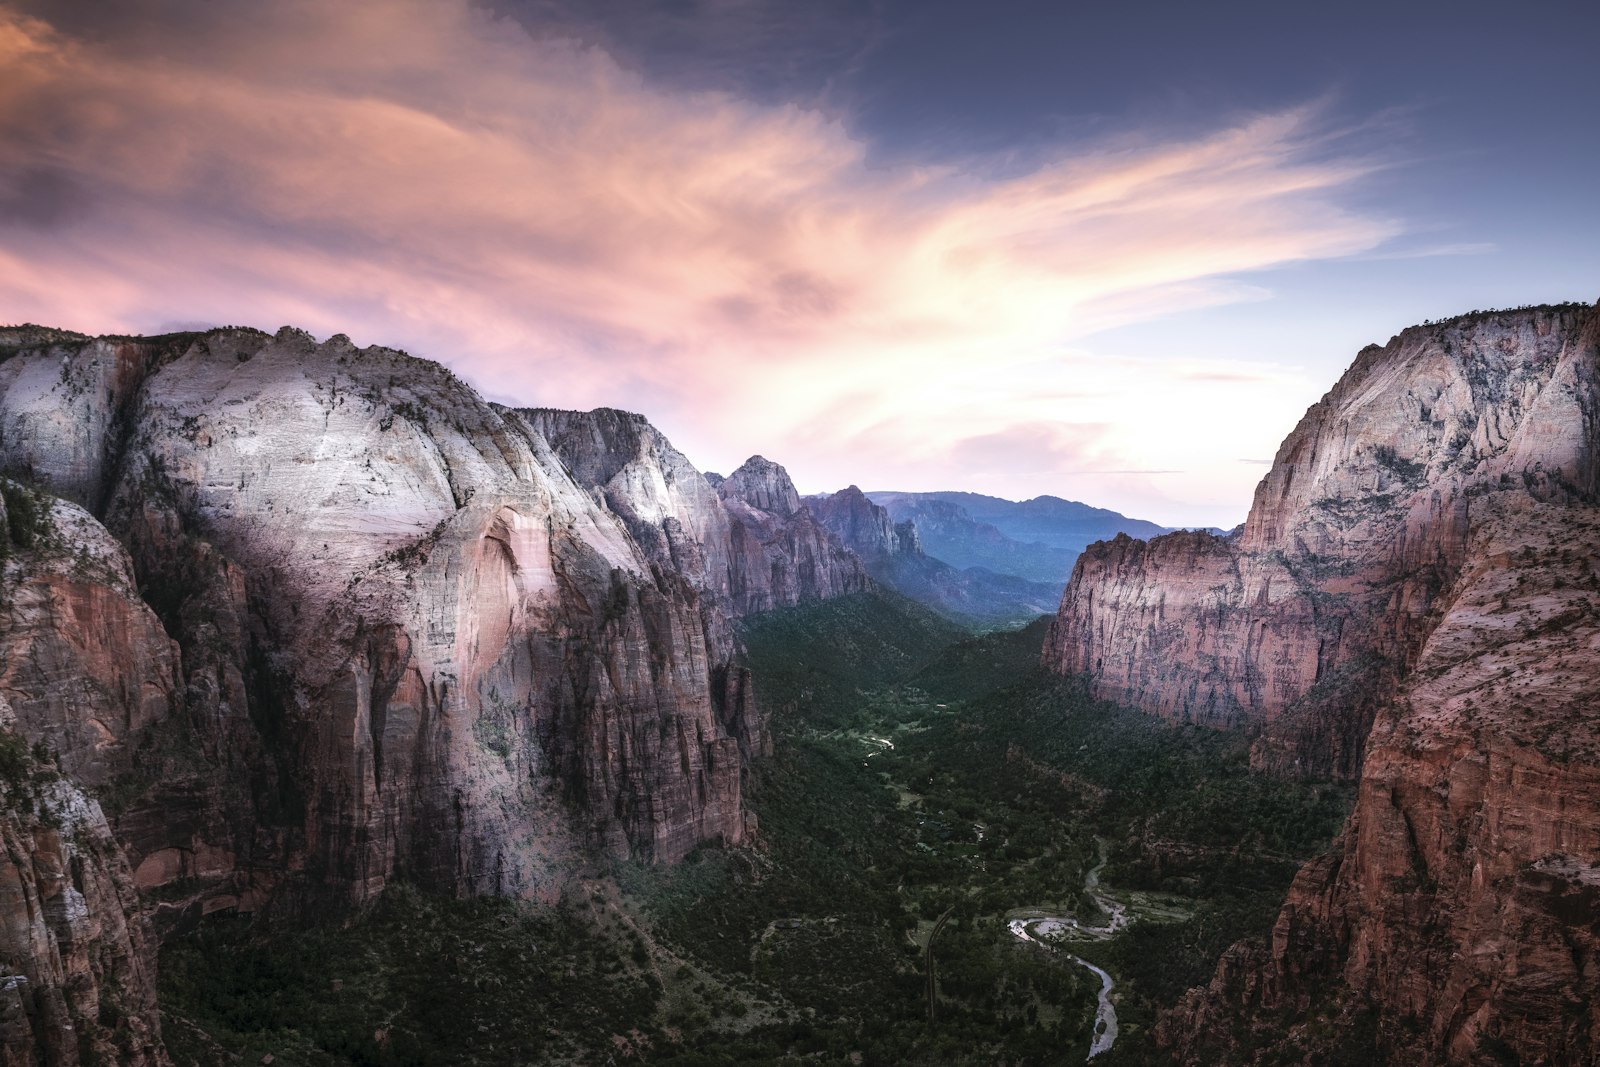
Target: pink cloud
563,232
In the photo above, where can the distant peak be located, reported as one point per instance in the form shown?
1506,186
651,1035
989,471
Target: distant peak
762,484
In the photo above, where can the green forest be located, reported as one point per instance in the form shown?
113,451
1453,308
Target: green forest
924,778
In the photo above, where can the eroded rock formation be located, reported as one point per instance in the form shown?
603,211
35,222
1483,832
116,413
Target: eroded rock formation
746,539
1420,557
1357,531
313,617
355,623
435,636
1459,907
87,675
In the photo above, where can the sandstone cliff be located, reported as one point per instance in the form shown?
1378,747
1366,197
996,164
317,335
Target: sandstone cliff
79,981
86,676
1354,535
394,631
1459,907
1420,558
746,541
313,617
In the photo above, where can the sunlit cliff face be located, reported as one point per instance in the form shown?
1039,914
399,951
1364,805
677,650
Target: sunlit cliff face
565,233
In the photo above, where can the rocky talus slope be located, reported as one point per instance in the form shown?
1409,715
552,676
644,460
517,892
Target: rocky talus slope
311,618
1416,584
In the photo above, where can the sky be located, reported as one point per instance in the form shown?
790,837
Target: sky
1108,252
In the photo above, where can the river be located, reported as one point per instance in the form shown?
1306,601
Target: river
1044,929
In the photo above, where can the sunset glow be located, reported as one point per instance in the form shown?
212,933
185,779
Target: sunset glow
564,231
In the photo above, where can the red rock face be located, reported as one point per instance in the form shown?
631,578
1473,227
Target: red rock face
359,625
420,635
74,941
1354,535
85,669
1181,626
84,661
1435,519
1462,900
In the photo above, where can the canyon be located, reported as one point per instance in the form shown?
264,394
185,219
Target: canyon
1411,603
310,619
287,624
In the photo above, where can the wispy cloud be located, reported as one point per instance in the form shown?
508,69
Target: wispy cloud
1461,248
563,231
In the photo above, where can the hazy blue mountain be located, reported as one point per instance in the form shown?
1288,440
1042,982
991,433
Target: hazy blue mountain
894,555
1037,539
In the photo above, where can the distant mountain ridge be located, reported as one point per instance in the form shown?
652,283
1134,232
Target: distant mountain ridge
1038,539
894,554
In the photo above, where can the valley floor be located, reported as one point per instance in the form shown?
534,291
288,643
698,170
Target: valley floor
924,780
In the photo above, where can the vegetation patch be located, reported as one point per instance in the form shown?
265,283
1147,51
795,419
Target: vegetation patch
920,774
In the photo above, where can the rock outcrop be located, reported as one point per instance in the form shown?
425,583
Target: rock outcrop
311,618
1420,557
84,662
79,981
87,677
367,625
1459,906
746,539
866,527
1360,527
762,485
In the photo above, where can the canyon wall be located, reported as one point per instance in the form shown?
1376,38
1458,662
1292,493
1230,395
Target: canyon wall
87,677
1362,524
1458,909
1416,586
747,540
310,618
420,627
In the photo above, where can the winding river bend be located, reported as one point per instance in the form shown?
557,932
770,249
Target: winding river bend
1045,929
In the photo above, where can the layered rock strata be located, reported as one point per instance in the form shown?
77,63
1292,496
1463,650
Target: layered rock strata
87,675
1420,557
747,541
1360,527
393,631
313,617
1459,907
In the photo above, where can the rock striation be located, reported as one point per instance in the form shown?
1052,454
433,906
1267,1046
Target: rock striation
87,675
1421,559
79,963
745,540
311,617
1355,534
1458,907
370,626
